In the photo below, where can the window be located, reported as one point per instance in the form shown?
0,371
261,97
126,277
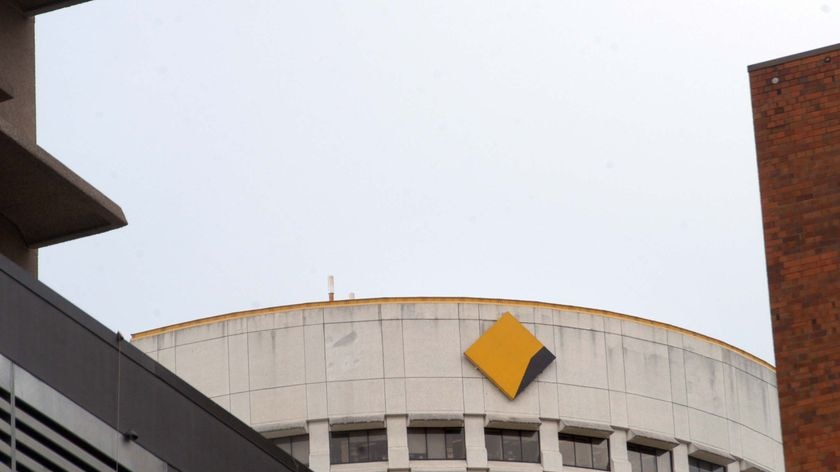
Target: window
512,445
358,446
297,446
436,443
648,459
697,465
582,451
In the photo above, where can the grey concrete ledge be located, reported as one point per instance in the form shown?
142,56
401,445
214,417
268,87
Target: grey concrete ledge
47,201
282,429
513,422
435,420
36,7
585,428
710,454
651,439
355,423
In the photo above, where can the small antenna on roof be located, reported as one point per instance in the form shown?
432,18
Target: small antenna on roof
331,287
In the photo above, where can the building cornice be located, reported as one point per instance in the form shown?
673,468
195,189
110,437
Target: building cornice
470,300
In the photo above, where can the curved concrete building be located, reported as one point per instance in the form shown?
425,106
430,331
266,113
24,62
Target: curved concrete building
384,384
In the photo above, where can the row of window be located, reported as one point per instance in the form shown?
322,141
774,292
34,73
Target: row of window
347,447
696,465
581,451
512,445
296,446
436,443
648,459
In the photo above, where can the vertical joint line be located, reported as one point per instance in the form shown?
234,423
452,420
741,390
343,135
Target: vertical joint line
12,420
119,426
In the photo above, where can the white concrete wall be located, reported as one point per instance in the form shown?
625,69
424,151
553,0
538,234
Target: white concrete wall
397,362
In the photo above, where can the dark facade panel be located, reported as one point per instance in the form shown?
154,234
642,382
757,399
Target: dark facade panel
77,356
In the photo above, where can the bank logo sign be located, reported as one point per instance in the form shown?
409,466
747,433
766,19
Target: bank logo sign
509,355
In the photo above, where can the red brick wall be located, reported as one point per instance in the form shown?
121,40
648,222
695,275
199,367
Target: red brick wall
797,133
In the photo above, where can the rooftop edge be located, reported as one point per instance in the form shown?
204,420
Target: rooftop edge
793,57
473,300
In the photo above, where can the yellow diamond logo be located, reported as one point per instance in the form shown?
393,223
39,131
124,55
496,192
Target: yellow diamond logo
509,355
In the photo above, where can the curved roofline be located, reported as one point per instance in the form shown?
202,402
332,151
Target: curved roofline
480,301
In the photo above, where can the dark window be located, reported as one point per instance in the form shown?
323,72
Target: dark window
582,451
697,465
648,459
512,445
436,443
297,446
358,446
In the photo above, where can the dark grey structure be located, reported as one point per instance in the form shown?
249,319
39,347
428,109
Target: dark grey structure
75,396
42,202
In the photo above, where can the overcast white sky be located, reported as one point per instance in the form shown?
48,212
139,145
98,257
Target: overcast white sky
588,153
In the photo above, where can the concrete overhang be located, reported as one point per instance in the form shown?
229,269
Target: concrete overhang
5,90
710,454
355,423
585,428
45,200
36,7
526,423
282,429
747,466
651,439
435,420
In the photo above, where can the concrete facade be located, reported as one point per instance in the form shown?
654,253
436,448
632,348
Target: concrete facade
42,202
17,107
398,363
796,113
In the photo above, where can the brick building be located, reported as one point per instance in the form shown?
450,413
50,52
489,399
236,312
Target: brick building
796,112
